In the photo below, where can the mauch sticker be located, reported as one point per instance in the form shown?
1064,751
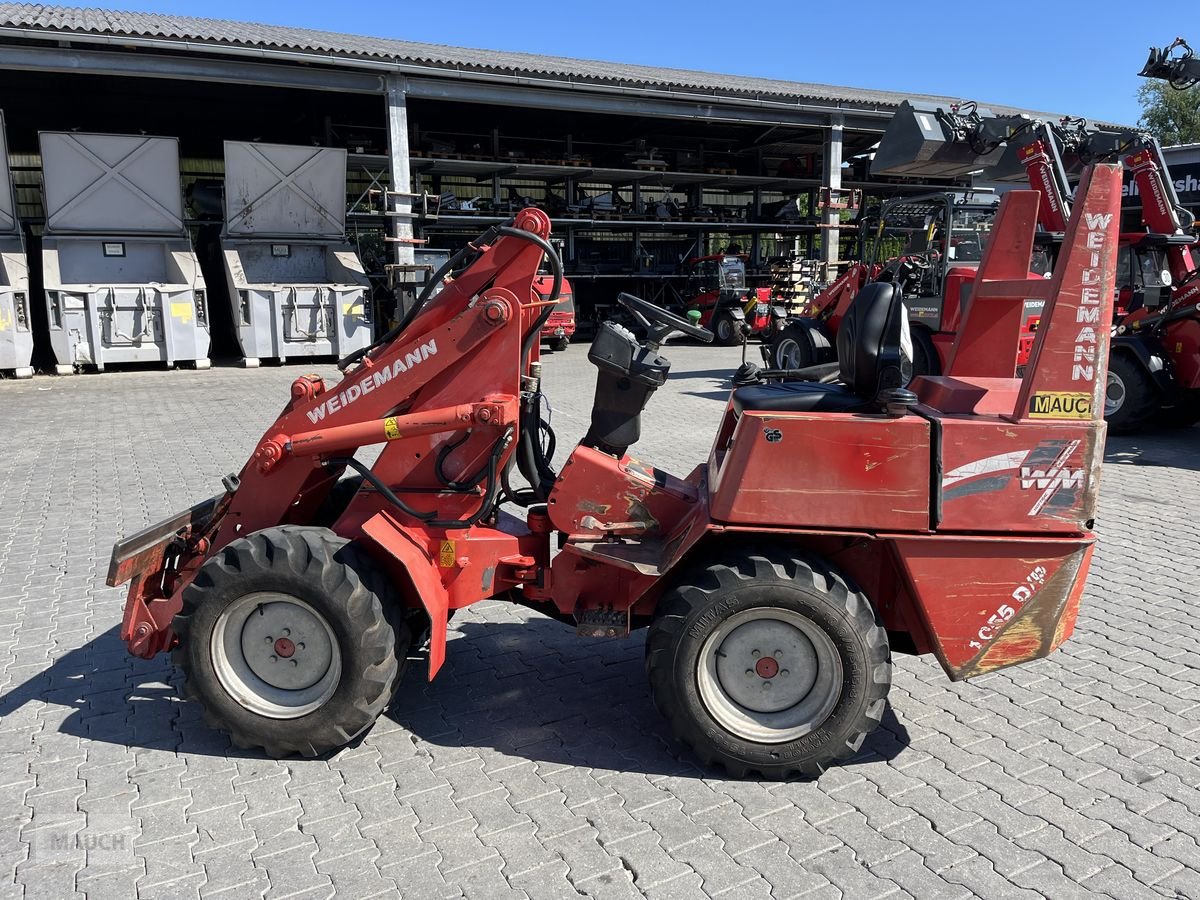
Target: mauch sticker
1047,470
1060,405
773,435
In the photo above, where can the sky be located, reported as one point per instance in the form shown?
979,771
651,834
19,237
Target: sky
1076,58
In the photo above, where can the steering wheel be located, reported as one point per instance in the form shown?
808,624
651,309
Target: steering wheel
647,312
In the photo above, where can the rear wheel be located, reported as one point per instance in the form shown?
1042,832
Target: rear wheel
769,663
290,641
1129,397
561,343
725,330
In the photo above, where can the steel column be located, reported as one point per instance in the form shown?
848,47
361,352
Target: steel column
831,162
401,175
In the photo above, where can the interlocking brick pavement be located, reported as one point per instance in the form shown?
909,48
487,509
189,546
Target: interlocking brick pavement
536,766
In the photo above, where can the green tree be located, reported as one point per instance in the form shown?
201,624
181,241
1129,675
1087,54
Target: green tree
1171,115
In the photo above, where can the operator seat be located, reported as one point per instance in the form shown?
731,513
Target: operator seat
874,351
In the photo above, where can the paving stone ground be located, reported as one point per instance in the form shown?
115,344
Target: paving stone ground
536,765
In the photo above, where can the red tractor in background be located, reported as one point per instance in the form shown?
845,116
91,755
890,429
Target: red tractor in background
1155,369
560,324
931,245
952,514
716,288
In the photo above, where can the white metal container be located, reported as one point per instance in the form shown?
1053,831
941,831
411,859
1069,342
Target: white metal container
121,279
297,287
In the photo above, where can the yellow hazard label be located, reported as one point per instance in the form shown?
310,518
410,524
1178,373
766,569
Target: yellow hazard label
390,429
352,307
1060,405
446,555
1179,346
182,311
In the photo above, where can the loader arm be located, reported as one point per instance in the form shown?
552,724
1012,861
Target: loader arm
424,388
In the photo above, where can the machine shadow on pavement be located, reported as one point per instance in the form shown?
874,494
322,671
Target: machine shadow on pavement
534,690
517,688
1170,448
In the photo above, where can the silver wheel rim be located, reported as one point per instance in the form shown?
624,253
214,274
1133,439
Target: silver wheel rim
789,354
1114,394
275,655
769,675
724,328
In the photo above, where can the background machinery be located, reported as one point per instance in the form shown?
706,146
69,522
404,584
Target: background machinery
931,245
560,325
716,288
1156,363
773,599
1175,63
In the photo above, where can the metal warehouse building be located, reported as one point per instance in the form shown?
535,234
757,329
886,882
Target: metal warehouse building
639,167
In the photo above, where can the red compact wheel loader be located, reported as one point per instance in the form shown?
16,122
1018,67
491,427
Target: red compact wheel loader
954,517
932,245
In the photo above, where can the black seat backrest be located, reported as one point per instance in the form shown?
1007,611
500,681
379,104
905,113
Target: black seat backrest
873,343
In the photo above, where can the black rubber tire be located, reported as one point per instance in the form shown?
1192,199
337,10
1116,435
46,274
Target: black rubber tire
341,583
725,329
1141,401
925,356
560,343
703,598
791,348
1184,412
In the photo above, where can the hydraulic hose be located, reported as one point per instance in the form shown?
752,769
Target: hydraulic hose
531,460
469,483
490,491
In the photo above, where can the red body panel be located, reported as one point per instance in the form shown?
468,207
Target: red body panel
809,470
1033,478
1023,608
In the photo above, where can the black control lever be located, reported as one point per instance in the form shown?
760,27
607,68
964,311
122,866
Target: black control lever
659,323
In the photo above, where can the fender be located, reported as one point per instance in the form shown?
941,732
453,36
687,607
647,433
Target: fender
1152,357
413,563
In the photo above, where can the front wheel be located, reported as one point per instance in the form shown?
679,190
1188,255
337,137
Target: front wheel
769,663
725,329
791,348
1184,412
290,641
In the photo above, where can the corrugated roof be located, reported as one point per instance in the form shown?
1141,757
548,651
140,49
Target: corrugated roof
63,21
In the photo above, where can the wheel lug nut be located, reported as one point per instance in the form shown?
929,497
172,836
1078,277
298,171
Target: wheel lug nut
295,662
778,653
274,659
269,639
766,685
287,632
749,671
755,653
784,672
300,646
